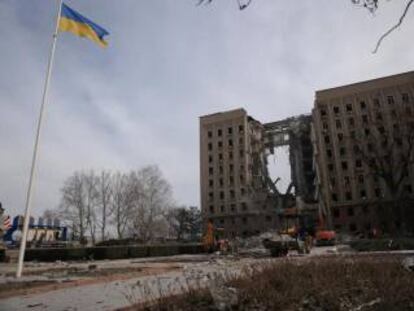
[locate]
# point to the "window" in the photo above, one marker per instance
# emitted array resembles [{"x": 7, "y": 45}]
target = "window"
[
  {"x": 244, "y": 220},
  {"x": 219, "y": 132},
  {"x": 211, "y": 209},
  {"x": 233, "y": 207},
  {"x": 210, "y": 171},
  {"x": 244, "y": 206},
  {"x": 221, "y": 182},
  {"x": 230, "y": 130},
  {"x": 347, "y": 180},
  {"x": 222, "y": 208},
  {"x": 232, "y": 194},
  {"x": 351, "y": 122},
  {"x": 390, "y": 100},
  {"x": 342, "y": 151},
  {"x": 329, "y": 153},
  {"x": 211, "y": 196},
  {"x": 338, "y": 124},
  {"x": 222, "y": 195},
  {"x": 405, "y": 98},
  {"x": 231, "y": 142},
  {"x": 379, "y": 116},
  {"x": 231, "y": 167},
  {"x": 222, "y": 221},
  {"x": 408, "y": 111},
  {"x": 231, "y": 180},
  {"x": 365, "y": 119},
  {"x": 325, "y": 125},
  {"x": 327, "y": 140},
  {"x": 365, "y": 209},
  {"x": 230, "y": 155},
  {"x": 220, "y": 156},
  {"x": 241, "y": 128},
  {"x": 363, "y": 194},
  {"x": 333, "y": 181},
  {"x": 323, "y": 112},
  {"x": 352, "y": 227},
  {"x": 221, "y": 169},
  {"x": 349, "y": 107},
  {"x": 242, "y": 179},
  {"x": 210, "y": 146},
  {"x": 336, "y": 213},
  {"x": 334, "y": 197},
  {"x": 336, "y": 109},
  {"x": 268, "y": 218},
  {"x": 361, "y": 179},
  {"x": 367, "y": 132},
  {"x": 211, "y": 183},
  {"x": 242, "y": 191},
  {"x": 340, "y": 136},
  {"x": 348, "y": 195},
  {"x": 241, "y": 153},
  {"x": 358, "y": 163},
  {"x": 363, "y": 105},
  {"x": 376, "y": 103},
  {"x": 210, "y": 158},
  {"x": 408, "y": 189},
  {"x": 378, "y": 192},
  {"x": 210, "y": 134},
  {"x": 344, "y": 165},
  {"x": 330, "y": 167}
]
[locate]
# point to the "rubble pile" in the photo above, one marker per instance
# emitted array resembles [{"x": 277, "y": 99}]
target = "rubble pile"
[{"x": 253, "y": 246}]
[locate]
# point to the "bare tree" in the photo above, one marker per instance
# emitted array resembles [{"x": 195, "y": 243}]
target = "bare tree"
[
  {"x": 185, "y": 222},
  {"x": 152, "y": 196},
  {"x": 121, "y": 203},
  {"x": 386, "y": 146},
  {"x": 72, "y": 205},
  {"x": 78, "y": 203},
  {"x": 104, "y": 188}
]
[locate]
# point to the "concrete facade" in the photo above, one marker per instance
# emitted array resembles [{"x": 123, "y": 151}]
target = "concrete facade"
[
  {"x": 233, "y": 191},
  {"x": 352, "y": 124}
]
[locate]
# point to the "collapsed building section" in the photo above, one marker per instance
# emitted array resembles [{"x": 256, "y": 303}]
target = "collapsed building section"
[{"x": 237, "y": 193}]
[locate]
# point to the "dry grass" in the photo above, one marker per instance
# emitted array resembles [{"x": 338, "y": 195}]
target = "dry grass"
[{"x": 359, "y": 284}]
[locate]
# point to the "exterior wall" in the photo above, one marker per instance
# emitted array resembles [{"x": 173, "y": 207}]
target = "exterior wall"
[
  {"x": 348, "y": 189},
  {"x": 232, "y": 193}
]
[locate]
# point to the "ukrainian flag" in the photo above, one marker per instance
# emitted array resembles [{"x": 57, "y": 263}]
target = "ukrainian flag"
[{"x": 73, "y": 22}]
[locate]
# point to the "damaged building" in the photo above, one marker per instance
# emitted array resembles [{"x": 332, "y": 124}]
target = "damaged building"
[{"x": 237, "y": 193}]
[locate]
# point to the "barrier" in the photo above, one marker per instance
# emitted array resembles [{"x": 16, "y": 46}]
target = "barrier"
[{"x": 112, "y": 252}]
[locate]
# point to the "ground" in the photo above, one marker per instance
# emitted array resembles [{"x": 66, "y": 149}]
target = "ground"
[{"x": 116, "y": 284}]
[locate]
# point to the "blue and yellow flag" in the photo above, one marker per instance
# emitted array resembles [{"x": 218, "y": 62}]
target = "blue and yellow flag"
[{"x": 72, "y": 21}]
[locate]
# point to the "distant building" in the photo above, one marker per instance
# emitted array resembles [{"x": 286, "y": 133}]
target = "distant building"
[
  {"x": 358, "y": 128},
  {"x": 237, "y": 193},
  {"x": 232, "y": 191}
]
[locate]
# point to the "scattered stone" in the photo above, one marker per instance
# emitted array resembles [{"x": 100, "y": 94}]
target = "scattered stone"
[
  {"x": 92, "y": 267},
  {"x": 408, "y": 264}
]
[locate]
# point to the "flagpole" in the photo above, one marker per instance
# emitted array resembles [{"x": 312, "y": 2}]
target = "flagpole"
[{"x": 36, "y": 145}]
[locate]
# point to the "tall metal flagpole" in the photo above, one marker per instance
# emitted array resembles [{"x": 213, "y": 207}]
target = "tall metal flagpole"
[{"x": 36, "y": 145}]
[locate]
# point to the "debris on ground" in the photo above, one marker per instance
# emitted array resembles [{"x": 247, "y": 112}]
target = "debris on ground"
[{"x": 408, "y": 263}]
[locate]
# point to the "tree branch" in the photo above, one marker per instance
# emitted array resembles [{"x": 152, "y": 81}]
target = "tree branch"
[{"x": 407, "y": 7}]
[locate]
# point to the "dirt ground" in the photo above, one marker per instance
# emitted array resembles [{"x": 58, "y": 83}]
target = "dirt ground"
[{"x": 45, "y": 277}]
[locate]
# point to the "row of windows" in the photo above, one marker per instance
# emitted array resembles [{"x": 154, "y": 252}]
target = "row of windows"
[
  {"x": 230, "y": 156},
  {"x": 349, "y": 195},
  {"x": 244, "y": 220},
  {"x": 229, "y": 131},
  {"x": 363, "y": 105},
  {"x": 231, "y": 208},
  {"x": 231, "y": 194}
]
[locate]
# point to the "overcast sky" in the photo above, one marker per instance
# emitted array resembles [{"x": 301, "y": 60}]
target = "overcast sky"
[{"x": 168, "y": 62}]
